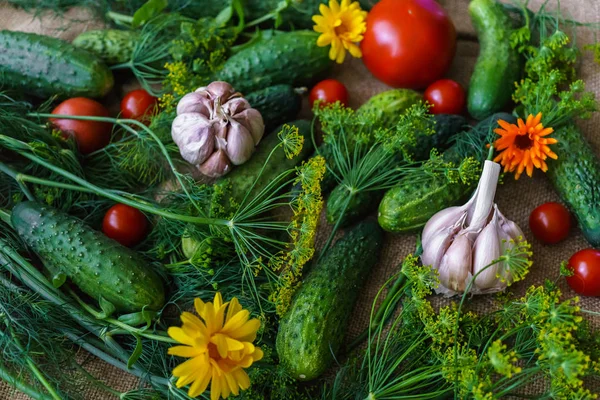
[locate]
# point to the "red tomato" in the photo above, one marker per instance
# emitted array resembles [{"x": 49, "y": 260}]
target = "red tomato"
[
  {"x": 550, "y": 222},
  {"x": 138, "y": 105},
  {"x": 89, "y": 135},
  {"x": 408, "y": 43},
  {"x": 125, "y": 224},
  {"x": 585, "y": 265},
  {"x": 329, "y": 91},
  {"x": 446, "y": 96}
]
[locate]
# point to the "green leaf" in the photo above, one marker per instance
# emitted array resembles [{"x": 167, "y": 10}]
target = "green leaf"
[
  {"x": 224, "y": 16},
  {"x": 149, "y": 10},
  {"x": 59, "y": 279},
  {"x": 107, "y": 307},
  {"x": 137, "y": 352}
]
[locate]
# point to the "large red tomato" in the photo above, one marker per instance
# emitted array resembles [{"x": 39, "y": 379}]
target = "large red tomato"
[
  {"x": 89, "y": 135},
  {"x": 408, "y": 43},
  {"x": 125, "y": 224},
  {"x": 139, "y": 105}
]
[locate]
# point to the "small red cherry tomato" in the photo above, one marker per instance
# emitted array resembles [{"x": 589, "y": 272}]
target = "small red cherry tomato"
[
  {"x": 89, "y": 135},
  {"x": 125, "y": 224},
  {"x": 585, "y": 265},
  {"x": 138, "y": 105},
  {"x": 446, "y": 96},
  {"x": 550, "y": 223},
  {"x": 329, "y": 91}
]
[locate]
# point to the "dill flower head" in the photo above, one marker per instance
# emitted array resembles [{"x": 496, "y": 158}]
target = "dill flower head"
[
  {"x": 524, "y": 146},
  {"x": 291, "y": 139},
  {"x": 503, "y": 361},
  {"x": 219, "y": 347},
  {"x": 342, "y": 26}
]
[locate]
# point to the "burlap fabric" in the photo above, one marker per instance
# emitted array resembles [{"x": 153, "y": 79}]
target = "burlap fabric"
[{"x": 515, "y": 198}]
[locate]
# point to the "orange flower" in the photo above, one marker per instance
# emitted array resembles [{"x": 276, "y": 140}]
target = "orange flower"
[{"x": 524, "y": 146}]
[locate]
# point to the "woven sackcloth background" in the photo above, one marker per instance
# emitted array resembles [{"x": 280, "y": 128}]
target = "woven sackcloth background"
[{"x": 515, "y": 198}]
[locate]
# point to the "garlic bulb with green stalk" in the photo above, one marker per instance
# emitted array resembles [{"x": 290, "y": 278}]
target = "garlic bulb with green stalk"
[
  {"x": 465, "y": 244},
  {"x": 216, "y": 128}
]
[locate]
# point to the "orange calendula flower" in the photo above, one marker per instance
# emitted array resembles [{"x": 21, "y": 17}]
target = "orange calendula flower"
[
  {"x": 219, "y": 347},
  {"x": 342, "y": 26},
  {"x": 524, "y": 146}
]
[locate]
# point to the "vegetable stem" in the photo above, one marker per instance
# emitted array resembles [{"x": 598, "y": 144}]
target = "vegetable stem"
[
  {"x": 21, "y": 386},
  {"x": 486, "y": 192},
  {"x": 120, "y": 19},
  {"x": 13, "y": 174},
  {"x": 5, "y": 217}
]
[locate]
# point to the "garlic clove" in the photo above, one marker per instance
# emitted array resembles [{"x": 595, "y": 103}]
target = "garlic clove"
[
  {"x": 194, "y": 103},
  {"x": 221, "y": 90},
  {"x": 193, "y": 134},
  {"x": 236, "y": 106},
  {"x": 442, "y": 219},
  {"x": 216, "y": 166},
  {"x": 436, "y": 247},
  {"x": 455, "y": 266},
  {"x": 240, "y": 144},
  {"x": 253, "y": 121},
  {"x": 485, "y": 250},
  {"x": 510, "y": 228}
]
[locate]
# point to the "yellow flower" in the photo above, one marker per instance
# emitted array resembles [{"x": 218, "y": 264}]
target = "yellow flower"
[
  {"x": 341, "y": 26},
  {"x": 219, "y": 347},
  {"x": 524, "y": 146}
]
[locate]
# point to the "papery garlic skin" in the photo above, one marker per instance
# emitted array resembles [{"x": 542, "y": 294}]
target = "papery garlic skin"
[
  {"x": 216, "y": 128},
  {"x": 465, "y": 244}
]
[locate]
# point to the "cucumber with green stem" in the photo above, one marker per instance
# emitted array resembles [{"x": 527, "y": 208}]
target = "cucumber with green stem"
[{"x": 99, "y": 266}]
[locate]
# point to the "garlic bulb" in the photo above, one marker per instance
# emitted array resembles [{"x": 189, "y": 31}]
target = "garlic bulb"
[
  {"x": 465, "y": 242},
  {"x": 216, "y": 128}
]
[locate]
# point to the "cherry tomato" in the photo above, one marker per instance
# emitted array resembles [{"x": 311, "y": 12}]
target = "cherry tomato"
[
  {"x": 585, "y": 265},
  {"x": 139, "y": 105},
  {"x": 408, "y": 43},
  {"x": 89, "y": 135},
  {"x": 446, "y": 96},
  {"x": 550, "y": 222},
  {"x": 329, "y": 91},
  {"x": 125, "y": 224}
]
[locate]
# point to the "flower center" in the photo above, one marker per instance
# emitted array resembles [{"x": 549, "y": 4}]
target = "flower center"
[
  {"x": 341, "y": 29},
  {"x": 213, "y": 353},
  {"x": 523, "y": 142}
]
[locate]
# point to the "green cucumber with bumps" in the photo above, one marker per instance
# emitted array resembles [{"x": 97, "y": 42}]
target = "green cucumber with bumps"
[
  {"x": 277, "y": 104},
  {"x": 313, "y": 329},
  {"x": 575, "y": 176},
  {"x": 408, "y": 206},
  {"x": 498, "y": 66},
  {"x": 98, "y": 265},
  {"x": 291, "y": 58},
  {"x": 362, "y": 203},
  {"x": 114, "y": 46},
  {"x": 44, "y": 66}
]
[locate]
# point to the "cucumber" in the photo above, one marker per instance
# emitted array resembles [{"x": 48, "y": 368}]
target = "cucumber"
[
  {"x": 385, "y": 109},
  {"x": 277, "y": 104},
  {"x": 45, "y": 66},
  {"x": 313, "y": 329},
  {"x": 99, "y": 266},
  {"x": 409, "y": 205},
  {"x": 498, "y": 66},
  {"x": 291, "y": 58},
  {"x": 362, "y": 203},
  {"x": 114, "y": 46},
  {"x": 242, "y": 178},
  {"x": 575, "y": 176}
]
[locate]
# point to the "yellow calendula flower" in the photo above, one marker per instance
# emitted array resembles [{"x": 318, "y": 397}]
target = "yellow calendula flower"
[
  {"x": 342, "y": 26},
  {"x": 219, "y": 347}
]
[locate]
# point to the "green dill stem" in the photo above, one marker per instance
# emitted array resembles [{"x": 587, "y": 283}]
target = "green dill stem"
[
  {"x": 20, "y": 385},
  {"x": 5, "y": 217},
  {"x": 335, "y": 227},
  {"x": 383, "y": 315},
  {"x": 34, "y": 369},
  {"x": 273, "y": 14},
  {"x": 120, "y": 199},
  {"x": 120, "y": 19},
  {"x": 125, "y": 124},
  {"x": 13, "y": 174}
]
